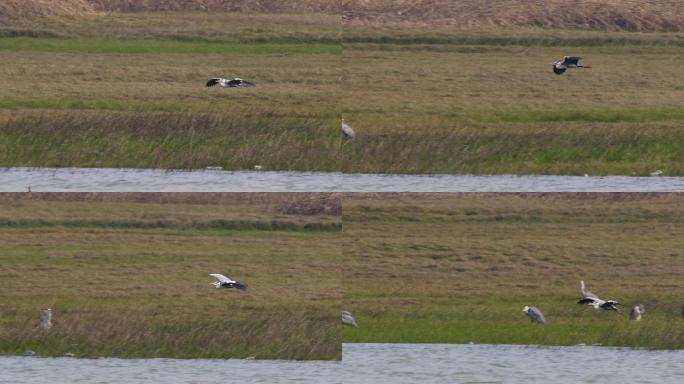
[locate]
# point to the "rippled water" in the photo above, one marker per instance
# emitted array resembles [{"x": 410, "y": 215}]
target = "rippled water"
[
  {"x": 141, "y": 180},
  {"x": 374, "y": 363}
]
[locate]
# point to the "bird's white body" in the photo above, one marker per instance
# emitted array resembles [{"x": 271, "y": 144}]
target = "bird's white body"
[
  {"x": 226, "y": 282},
  {"x": 535, "y": 315},
  {"x": 45, "y": 320},
  {"x": 348, "y": 319},
  {"x": 637, "y": 312},
  {"x": 347, "y": 131}
]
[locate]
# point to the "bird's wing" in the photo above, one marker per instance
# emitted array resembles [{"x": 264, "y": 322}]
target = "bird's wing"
[
  {"x": 221, "y": 278},
  {"x": 247, "y": 83},
  {"x": 213, "y": 81},
  {"x": 587, "y": 300},
  {"x": 571, "y": 60}
]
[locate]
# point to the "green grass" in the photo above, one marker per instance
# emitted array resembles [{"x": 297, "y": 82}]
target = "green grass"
[
  {"x": 459, "y": 268},
  {"x": 128, "y": 275},
  {"x": 110, "y": 46}
]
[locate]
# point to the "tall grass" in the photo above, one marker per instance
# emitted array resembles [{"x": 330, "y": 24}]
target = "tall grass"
[{"x": 169, "y": 140}]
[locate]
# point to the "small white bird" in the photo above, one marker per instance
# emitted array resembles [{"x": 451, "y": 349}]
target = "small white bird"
[
  {"x": 568, "y": 62},
  {"x": 347, "y": 131},
  {"x": 45, "y": 320},
  {"x": 230, "y": 83},
  {"x": 656, "y": 173},
  {"x": 226, "y": 282},
  {"x": 535, "y": 315},
  {"x": 637, "y": 311},
  {"x": 348, "y": 319}
]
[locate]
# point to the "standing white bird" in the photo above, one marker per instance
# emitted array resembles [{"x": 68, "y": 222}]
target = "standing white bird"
[
  {"x": 535, "y": 315},
  {"x": 347, "y": 131},
  {"x": 45, "y": 320},
  {"x": 230, "y": 83},
  {"x": 226, "y": 282},
  {"x": 559, "y": 67},
  {"x": 637, "y": 311},
  {"x": 593, "y": 300},
  {"x": 348, "y": 319}
]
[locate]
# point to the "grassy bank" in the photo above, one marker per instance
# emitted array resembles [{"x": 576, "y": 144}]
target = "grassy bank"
[
  {"x": 127, "y": 276},
  {"x": 425, "y": 94},
  {"x": 450, "y": 268}
]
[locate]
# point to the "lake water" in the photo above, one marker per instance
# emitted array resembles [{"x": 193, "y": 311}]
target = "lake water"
[
  {"x": 152, "y": 180},
  {"x": 374, "y": 363}
]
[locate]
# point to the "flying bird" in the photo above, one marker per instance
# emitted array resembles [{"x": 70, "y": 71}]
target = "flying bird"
[
  {"x": 347, "y": 131},
  {"x": 535, "y": 315},
  {"x": 230, "y": 83},
  {"x": 45, "y": 320},
  {"x": 226, "y": 282},
  {"x": 636, "y": 312},
  {"x": 348, "y": 319},
  {"x": 568, "y": 62},
  {"x": 593, "y": 300}
]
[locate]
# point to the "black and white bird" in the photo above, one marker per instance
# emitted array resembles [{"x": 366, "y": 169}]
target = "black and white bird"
[
  {"x": 637, "y": 312},
  {"x": 568, "y": 62},
  {"x": 535, "y": 315},
  {"x": 45, "y": 320},
  {"x": 230, "y": 83},
  {"x": 593, "y": 300},
  {"x": 348, "y": 319},
  {"x": 347, "y": 131},
  {"x": 226, "y": 282}
]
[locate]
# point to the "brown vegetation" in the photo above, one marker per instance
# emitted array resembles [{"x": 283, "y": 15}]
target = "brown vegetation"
[
  {"x": 34, "y": 8},
  {"x": 251, "y": 6},
  {"x": 614, "y": 15}
]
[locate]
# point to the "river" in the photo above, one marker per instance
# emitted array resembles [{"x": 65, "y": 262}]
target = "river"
[
  {"x": 373, "y": 363},
  {"x": 154, "y": 180}
]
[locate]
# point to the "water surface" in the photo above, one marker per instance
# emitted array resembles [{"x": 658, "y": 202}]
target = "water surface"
[
  {"x": 154, "y": 180},
  {"x": 373, "y": 363}
]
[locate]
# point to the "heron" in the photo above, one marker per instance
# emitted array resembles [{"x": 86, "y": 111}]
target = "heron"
[
  {"x": 636, "y": 312},
  {"x": 348, "y": 319},
  {"x": 347, "y": 131},
  {"x": 226, "y": 282},
  {"x": 535, "y": 315},
  {"x": 593, "y": 300},
  {"x": 559, "y": 67},
  {"x": 45, "y": 320},
  {"x": 230, "y": 83}
]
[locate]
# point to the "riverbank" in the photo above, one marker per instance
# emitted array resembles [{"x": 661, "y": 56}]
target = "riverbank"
[
  {"x": 459, "y": 268},
  {"x": 127, "y": 275}
]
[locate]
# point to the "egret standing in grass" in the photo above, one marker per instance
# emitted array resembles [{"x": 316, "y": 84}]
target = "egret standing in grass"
[
  {"x": 535, "y": 315},
  {"x": 593, "y": 300},
  {"x": 347, "y": 131},
  {"x": 636, "y": 312},
  {"x": 348, "y": 319},
  {"x": 226, "y": 282},
  {"x": 45, "y": 320},
  {"x": 568, "y": 62}
]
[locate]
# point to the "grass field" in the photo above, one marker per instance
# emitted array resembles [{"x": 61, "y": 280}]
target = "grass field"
[
  {"x": 425, "y": 93},
  {"x": 458, "y": 268},
  {"x": 132, "y": 87},
  {"x": 127, "y": 275}
]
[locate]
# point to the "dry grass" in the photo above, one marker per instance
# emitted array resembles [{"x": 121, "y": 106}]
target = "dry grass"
[
  {"x": 460, "y": 267},
  {"x": 13, "y": 9},
  {"x": 611, "y": 15},
  {"x": 128, "y": 276},
  {"x": 268, "y": 6}
]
